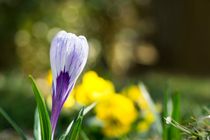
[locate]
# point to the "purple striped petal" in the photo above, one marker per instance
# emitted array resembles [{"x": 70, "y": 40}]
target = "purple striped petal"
[{"x": 68, "y": 56}]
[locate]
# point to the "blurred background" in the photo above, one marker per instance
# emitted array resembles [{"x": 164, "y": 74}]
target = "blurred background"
[{"x": 161, "y": 43}]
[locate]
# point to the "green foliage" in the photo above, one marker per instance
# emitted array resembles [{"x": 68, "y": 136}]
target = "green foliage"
[
  {"x": 196, "y": 130},
  {"x": 84, "y": 136},
  {"x": 42, "y": 125},
  {"x": 37, "y": 128},
  {"x": 171, "y": 109},
  {"x": 175, "y": 133},
  {"x": 165, "y": 114},
  {"x": 73, "y": 133},
  {"x": 14, "y": 125},
  {"x": 43, "y": 113},
  {"x": 74, "y": 128}
]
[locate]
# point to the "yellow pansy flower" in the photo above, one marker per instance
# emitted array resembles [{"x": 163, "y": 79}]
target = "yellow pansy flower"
[
  {"x": 143, "y": 126},
  {"x": 117, "y": 112},
  {"x": 149, "y": 117},
  {"x": 93, "y": 88},
  {"x": 111, "y": 130},
  {"x": 135, "y": 93}
]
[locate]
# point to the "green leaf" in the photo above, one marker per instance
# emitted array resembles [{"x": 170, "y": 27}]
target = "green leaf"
[
  {"x": 37, "y": 128},
  {"x": 72, "y": 131},
  {"x": 75, "y": 129},
  {"x": 43, "y": 113},
  {"x": 84, "y": 135},
  {"x": 175, "y": 133},
  {"x": 14, "y": 125},
  {"x": 165, "y": 114},
  {"x": 63, "y": 136}
]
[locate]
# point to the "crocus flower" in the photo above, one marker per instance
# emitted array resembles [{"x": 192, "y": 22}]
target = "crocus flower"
[{"x": 68, "y": 56}]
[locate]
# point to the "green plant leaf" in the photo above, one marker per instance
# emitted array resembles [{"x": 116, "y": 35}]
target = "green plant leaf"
[
  {"x": 14, "y": 125},
  {"x": 43, "y": 113},
  {"x": 165, "y": 114},
  {"x": 37, "y": 128},
  {"x": 72, "y": 131},
  {"x": 175, "y": 133},
  {"x": 84, "y": 135},
  {"x": 75, "y": 129}
]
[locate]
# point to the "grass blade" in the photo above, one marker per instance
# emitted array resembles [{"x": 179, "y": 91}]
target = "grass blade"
[
  {"x": 175, "y": 133},
  {"x": 165, "y": 115},
  {"x": 14, "y": 125}
]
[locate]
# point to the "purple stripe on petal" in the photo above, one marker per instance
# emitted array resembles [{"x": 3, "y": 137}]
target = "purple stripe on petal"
[
  {"x": 63, "y": 88},
  {"x": 62, "y": 84}
]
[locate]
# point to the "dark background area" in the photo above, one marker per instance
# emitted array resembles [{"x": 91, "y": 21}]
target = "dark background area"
[{"x": 183, "y": 35}]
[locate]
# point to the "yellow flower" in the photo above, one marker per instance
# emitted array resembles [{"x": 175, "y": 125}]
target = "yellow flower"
[
  {"x": 143, "y": 126},
  {"x": 70, "y": 101},
  {"x": 149, "y": 117},
  {"x": 93, "y": 88},
  {"x": 49, "y": 78},
  {"x": 135, "y": 94},
  {"x": 117, "y": 112},
  {"x": 111, "y": 130}
]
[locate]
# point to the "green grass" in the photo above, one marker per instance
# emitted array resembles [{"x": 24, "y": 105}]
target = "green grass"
[{"x": 194, "y": 91}]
